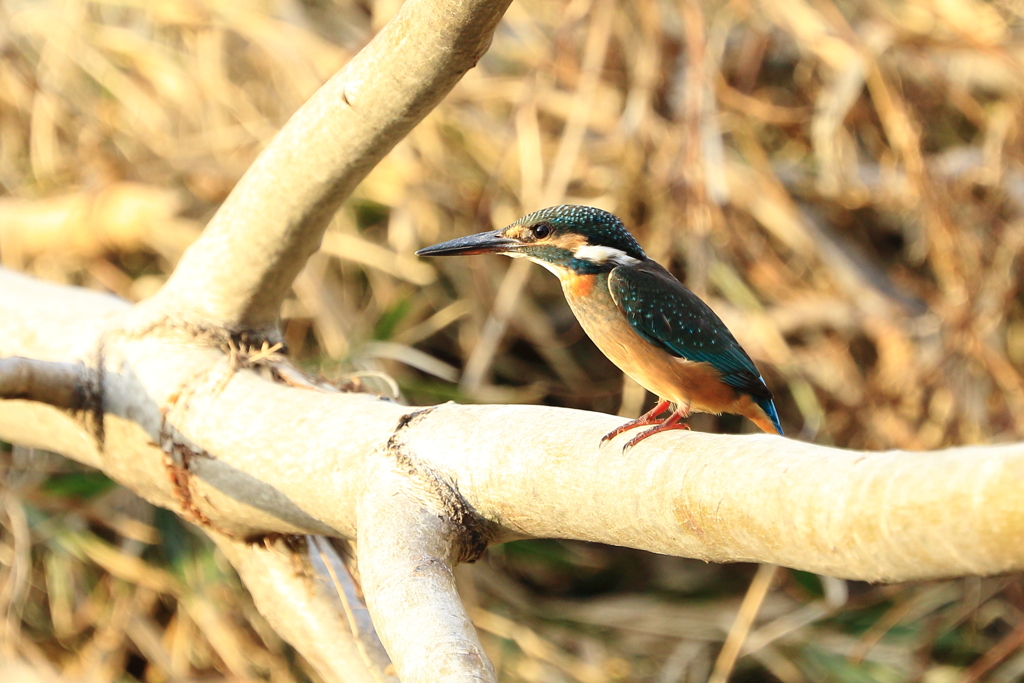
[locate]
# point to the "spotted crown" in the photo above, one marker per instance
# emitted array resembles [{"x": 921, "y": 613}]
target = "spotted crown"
[{"x": 599, "y": 227}]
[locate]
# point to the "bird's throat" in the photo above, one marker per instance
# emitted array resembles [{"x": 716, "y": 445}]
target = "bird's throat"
[{"x": 578, "y": 286}]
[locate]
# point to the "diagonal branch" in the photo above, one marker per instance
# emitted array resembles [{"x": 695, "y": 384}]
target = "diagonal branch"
[
  {"x": 239, "y": 271},
  {"x": 286, "y": 594},
  {"x": 328, "y": 558}
]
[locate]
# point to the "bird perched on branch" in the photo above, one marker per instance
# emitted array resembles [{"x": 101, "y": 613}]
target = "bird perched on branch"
[{"x": 640, "y": 316}]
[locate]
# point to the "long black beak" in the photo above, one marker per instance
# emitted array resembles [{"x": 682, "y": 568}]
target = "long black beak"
[{"x": 480, "y": 243}]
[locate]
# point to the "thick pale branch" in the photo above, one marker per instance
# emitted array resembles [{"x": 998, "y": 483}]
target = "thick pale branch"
[
  {"x": 269, "y": 457},
  {"x": 407, "y": 549},
  {"x": 237, "y": 274},
  {"x": 892, "y": 516}
]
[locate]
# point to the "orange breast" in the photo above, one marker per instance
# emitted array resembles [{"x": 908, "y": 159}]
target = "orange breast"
[
  {"x": 680, "y": 381},
  {"x": 578, "y": 286}
]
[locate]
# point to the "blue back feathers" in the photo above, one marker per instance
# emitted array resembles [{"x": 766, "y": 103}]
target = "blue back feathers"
[{"x": 670, "y": 316}]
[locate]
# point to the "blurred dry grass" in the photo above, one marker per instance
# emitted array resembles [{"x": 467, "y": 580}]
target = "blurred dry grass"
[{"x": 843, "y": 181}]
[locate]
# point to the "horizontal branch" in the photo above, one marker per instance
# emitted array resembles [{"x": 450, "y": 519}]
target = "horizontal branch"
[
  {"x": 892, "y": 516},
  {"x": 267, "y": 457}
]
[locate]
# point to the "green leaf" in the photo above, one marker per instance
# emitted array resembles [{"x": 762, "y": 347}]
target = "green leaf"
[
  {"x": 809, "y": 582},
  {"x": 389, "y": 319},
  {"x": 78, "y": 485}
]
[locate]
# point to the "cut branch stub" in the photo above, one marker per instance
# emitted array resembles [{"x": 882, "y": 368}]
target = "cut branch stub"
[{"x": 69, "y": 386}]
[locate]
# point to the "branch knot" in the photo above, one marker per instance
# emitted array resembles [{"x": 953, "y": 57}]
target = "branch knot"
[{"x": 439, "y": 493}]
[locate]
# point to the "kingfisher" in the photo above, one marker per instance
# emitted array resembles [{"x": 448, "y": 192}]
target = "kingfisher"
[{"x": 637, "y": 313}]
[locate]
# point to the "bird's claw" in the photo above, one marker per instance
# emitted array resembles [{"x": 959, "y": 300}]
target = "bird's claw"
[
  {"x": 663, "y": 427},
  {"x": 651, "y": 418},
  {"x": 648, "y": 418}
]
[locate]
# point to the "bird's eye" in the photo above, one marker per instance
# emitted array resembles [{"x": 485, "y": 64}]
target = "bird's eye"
[{"x": 541, "y": 230}]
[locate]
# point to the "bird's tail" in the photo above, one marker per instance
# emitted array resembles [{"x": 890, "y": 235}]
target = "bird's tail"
[{"x": 772, "y": 421}]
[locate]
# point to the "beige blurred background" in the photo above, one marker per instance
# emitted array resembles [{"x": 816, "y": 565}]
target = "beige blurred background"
[{"x": 842, "y": 181}]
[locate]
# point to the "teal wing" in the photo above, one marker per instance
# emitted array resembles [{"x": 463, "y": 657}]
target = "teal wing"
[{"x": 670, "y": 316}]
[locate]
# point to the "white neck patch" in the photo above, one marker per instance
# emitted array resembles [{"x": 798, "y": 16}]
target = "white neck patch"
[
  {"x": 553, "y": 268},
  {"x": 601, "y": 255}
]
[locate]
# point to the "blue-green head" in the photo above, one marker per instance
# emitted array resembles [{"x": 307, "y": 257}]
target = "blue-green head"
[{"x": 580, "y": 239}]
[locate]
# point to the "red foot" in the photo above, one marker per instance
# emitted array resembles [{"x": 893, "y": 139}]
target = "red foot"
[
  {"x": 651, "y": 418},
  {"x": 671, "y": 422},
  {"x": 648, "y": 418}
]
